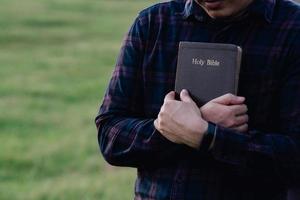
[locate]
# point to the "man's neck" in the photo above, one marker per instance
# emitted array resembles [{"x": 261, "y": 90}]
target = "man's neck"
[{"x": 235, "y": 17}]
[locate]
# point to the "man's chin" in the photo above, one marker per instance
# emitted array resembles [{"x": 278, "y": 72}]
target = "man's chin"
[{"x": 218, "y": 14}]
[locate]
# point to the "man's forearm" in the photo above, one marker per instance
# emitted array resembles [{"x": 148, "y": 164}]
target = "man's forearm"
[
  {"x": 267, "y": 154},
  {"x": 134, "y": 142}
]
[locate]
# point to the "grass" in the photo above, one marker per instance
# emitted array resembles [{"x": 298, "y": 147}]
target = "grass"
[{"x": 56, "y": 58}]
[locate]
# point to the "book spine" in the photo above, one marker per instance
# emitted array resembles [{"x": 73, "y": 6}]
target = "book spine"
[{"x": 238, "y": 67}]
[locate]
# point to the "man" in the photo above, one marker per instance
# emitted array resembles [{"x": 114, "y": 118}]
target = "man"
[{"x": 244, "y": 147}]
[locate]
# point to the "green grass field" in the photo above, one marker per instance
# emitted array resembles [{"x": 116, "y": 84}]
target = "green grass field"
[{"x": 56, "y": 58}]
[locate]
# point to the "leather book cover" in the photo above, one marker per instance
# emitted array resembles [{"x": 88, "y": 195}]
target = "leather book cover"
[{"x": 207, "y": 70}]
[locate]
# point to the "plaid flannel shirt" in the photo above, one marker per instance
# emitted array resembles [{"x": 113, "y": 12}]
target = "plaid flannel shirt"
[{"x": 261, "y": 164}]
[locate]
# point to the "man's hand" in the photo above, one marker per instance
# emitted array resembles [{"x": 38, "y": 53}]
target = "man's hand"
[
  {"x": 181, "y": 121},
  {"x": 228, "y": 111}
]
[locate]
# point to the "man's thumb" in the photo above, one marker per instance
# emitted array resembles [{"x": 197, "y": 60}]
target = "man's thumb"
[
  {"x": 229, "y": 99},
  {"x": 185, "y": 97}
]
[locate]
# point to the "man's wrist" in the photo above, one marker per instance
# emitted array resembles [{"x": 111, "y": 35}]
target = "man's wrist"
[
  {"x": 209, "y": 137},
  {"x": 214, "y": 137}
]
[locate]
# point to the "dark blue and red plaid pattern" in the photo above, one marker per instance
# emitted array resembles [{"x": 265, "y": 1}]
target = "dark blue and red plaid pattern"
[{"x": 261, "y": 164}]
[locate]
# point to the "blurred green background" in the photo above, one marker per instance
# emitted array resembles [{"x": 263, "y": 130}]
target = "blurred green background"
[{"x": 56, "y": 57}]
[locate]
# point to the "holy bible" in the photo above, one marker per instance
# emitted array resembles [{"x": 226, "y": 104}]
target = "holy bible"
[{"x": 207, "y": 70}]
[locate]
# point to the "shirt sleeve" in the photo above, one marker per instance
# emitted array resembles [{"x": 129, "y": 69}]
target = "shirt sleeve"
[
  {"x": 269, "y": 154},
  {"x": 125, "y": 137}
]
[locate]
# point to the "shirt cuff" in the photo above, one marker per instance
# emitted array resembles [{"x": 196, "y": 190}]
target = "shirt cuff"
[{"x": 230, "y": 146}]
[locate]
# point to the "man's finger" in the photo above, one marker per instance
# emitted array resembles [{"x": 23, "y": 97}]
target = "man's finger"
[
  {"x": 228, "y": 99},
  {"x": 242, "y": 129},
  {"x": 242, "y": 119},
  {"x": 170, "y": 96},
  {"x": 239, "y": 109},
  {"x": 185, "y": 97}
]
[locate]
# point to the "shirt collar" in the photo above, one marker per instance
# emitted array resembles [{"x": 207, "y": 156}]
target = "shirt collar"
[{"x": 262, "y": 9}]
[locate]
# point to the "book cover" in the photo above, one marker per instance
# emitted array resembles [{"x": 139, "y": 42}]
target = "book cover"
[{"x": 207, "y": 70}]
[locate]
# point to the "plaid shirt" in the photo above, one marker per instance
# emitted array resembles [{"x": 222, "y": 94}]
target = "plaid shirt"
[{"x": 261, "y": 164}]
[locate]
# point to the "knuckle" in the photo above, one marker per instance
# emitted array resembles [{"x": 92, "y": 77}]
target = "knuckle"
[
  {"x": 230, "y": 112},
  {"x": 162, "y": 110},
  {"x": 234, "y": 122},
  {"x": 160, "y": 123},
  {"x": 228, "y": 95},
  {"x": 238, "y": 120},
  {"x": 229, "y": 123},
  {"x": 157, "y": 125},
  {"x": 243, "y": 119},
  {"x": 231, "y": 96},
  {"x": 167, "y": 103},
  {"x": 160, "y": 115},
  {"x": 160, "y": 120}
]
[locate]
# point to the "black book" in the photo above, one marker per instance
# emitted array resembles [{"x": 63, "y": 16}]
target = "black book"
[{"x": 207, "y": 70}]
